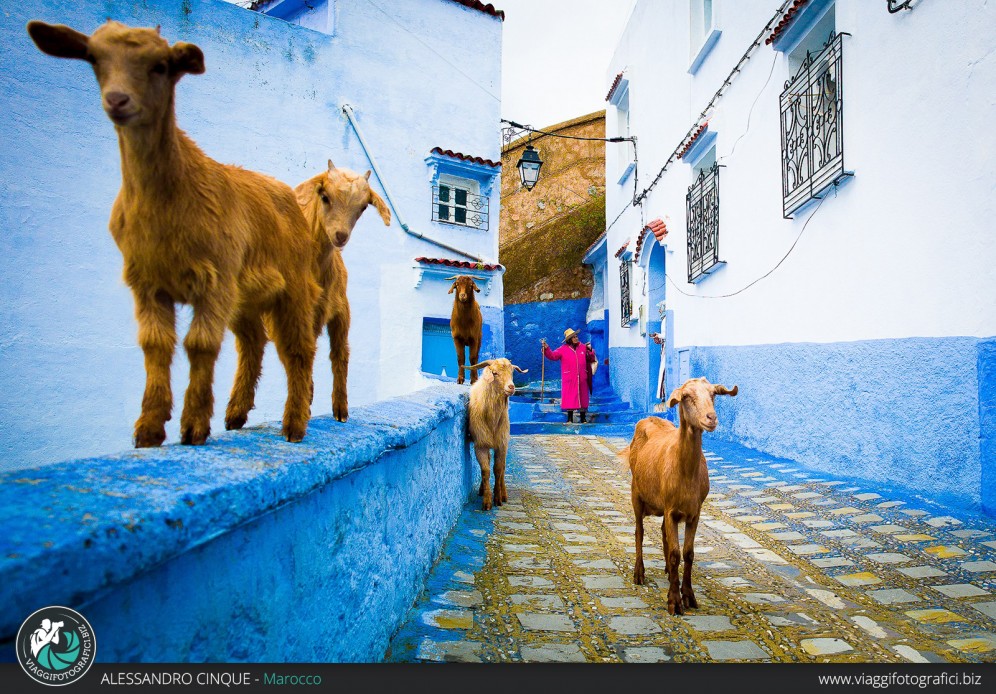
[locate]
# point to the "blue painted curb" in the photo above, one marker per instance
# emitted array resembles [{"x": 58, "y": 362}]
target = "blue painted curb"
[{"x": 76, "y": 528}]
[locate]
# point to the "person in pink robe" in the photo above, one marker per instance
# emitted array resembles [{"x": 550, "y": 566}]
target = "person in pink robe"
[{"x": 575, "y": 364}]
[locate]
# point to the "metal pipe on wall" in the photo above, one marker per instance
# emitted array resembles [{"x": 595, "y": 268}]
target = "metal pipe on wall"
[{"x": 348, "y": 110}]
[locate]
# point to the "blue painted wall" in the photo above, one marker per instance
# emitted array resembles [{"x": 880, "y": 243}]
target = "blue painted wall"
[
  {"x": 71, "y": 372},
  {"x": 629, "y": 367},
  {"x": 987, "y": 422},
  {"x": 905, "y": 412},
  {"x": 526, "y": 323},
  {"x": 598, "y": 330},
  {"x": 249, "y": 549}
]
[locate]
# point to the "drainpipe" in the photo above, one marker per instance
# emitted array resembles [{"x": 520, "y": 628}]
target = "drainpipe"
[{"x": 347, "y": 109}]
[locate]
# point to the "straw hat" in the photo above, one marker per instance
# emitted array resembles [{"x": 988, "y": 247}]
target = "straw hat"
[{"x": 569, "y": 333}]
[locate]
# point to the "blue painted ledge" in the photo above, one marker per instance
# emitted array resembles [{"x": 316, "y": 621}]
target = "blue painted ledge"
[{"x": 249, "y": 538}]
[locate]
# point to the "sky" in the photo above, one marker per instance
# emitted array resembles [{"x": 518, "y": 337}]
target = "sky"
[{"x": 555, "y": 54}]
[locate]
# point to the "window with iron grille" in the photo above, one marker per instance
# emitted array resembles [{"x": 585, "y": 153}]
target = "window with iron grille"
[
  {"x": 626, "y": 300},
  {"x": 456, "y": 201},
  {"x": 702, "y": 206},
  {"x": 812, "y": 126}
]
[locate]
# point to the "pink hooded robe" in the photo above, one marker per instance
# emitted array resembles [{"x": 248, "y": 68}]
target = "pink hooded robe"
[{"x": 573, "y": 375}]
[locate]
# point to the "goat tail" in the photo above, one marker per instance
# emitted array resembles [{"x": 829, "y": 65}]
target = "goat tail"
[{"x": 623, "y": 459}]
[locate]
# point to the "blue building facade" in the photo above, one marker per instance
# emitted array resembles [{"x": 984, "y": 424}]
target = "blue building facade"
[{"x": 418, "y": 81}]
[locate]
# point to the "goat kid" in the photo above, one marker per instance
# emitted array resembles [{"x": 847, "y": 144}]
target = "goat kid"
[
  {"x": 671, "y": 479},
  {"x": 489, "y": 426},
  {"x": 332, "y": 203},
  {"x": 465, "y": 323},
  {"x": 231, "y": 243}
]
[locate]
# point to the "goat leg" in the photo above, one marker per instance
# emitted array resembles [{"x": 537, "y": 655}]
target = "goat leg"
[
  {"x": 501, "y": 494},
  {"x": 639, "y": 573},
  {"x": 475, "y": 348},
  {"x": 156, "y": 317},
  {"x": 687, "y": 594},
  {"x": 295, "y": 342},
  {"x": 338, "y": 329},
  {"x": 484, "y": 460},
  {"x": 250, "y": 342},
  {"x": 458, "y": 344},
  {"x": 203, "y": 343},
  {"x": 672, "y": 557}
]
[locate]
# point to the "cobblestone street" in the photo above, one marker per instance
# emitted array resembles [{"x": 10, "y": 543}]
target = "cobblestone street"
[{"x": 790, "y": 566}]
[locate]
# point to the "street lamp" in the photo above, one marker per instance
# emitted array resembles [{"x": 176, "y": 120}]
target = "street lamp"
[{"x": 529, "y": 167}]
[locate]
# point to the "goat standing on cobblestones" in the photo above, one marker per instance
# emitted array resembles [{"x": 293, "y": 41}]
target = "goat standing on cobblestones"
[
  {"x": 489, "y": 426},
  {"x": 671, "y": 479},
  {"x": 231, "y": 243}
]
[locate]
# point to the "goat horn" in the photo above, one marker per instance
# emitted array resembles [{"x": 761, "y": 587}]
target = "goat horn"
[
  {"x": 520, "y": 370},
  {"x": 479, "y": 366},
  {"x": 451, "y": 277},
  {"x": 723, "y": 390}
]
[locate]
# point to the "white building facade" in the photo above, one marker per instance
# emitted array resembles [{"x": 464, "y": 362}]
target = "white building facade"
[{"x": 814, "y": 187}]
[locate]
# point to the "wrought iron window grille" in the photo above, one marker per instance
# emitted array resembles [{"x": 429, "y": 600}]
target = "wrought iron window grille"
[
  {"x": 453, "y": 205},
  {"x": 625, "y": 298},
  {"x": 702, "y": 206},
  {"x": 899, "y": 5},
  {"x": 812, "y": 127}
]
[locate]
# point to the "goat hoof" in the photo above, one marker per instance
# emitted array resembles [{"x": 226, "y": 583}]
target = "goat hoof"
[
  {"x": 236, "y": 421},
  {"x": 460, "y": 381},
  {"x": 639, "y": 578},
  {"x": 149, "y": 437},
  {"x": 340, "y": 412},
  {"x": 486, "y": 504},
  {"x": 192, "y": 436},
  {"x": 293, "y": 434},
  {"x": 690, "y": 601}
]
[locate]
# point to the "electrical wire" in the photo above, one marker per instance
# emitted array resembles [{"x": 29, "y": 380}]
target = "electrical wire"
[
  {"x": 774, "y": 59},
  {"x": 706, "y": 112},
  {"x": 777, "y": 265},
  {"x": 434, "y": 51}
]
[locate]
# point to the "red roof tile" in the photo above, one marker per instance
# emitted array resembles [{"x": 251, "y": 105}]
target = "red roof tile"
[
  {"x": 657, "y": 228},
  {"x": 597, "y": 241},
  {"x": 785, "y": 21},
  {"x": 486, "y": 9},
  {"x": 464, "y": 157},
  {"x": 615, "y": 84},
  {"x": 622, "y": 249},
  {"x": 472, "y": 4},
  {"x": 464, "y": 264},
  {"x": 692, "y": 139}
]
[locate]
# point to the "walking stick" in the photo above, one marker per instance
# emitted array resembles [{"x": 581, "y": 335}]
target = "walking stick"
[{"x": 542, "y": 372}]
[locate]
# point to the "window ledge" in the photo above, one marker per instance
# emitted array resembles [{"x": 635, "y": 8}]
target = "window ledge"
[
  {"x": 708, "y": 273},
  {"x": 707, "y": 46}
]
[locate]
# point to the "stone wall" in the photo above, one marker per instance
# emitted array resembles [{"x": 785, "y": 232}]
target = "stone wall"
[{"x": 545, "y": 231}]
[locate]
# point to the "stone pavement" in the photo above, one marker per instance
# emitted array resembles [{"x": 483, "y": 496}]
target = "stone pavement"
[{"x": 791, "y": 566}]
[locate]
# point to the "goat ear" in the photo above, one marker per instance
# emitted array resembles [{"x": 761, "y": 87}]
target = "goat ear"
[
  {"x": 58, "y": 40},
  {"x": 185, "y": 58},
  {"x": 723, "y": 390},
  {"x": 331, "y": 165},
  {"x": 476, "y": 288},
  {"x": 452, "y": 287},
  {"x": 382, "y": 208},
  {"x": 367, "y": 175},
  {"x": 487, "y": 375},
  {"x": 676, "y": 395}
]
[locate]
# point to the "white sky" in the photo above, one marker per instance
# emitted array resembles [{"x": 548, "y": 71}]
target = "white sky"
[{"x": 554, "y": 56}]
